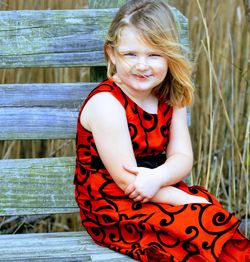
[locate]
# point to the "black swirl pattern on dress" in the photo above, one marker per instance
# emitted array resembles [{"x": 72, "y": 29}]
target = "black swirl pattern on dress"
[
  {"x": 132, "y": 130},
  {"x": 156, "y": 245},
  {"x": 125, "y": 99},
  {"x": 82, "y": 150},
  {"x": 133, "y": 133},
  {"x": 136, "y": 206},
  {"x": 90, "y": 192},
  {"x": 106, "y": 191},
  {"x": 164, "y": 130},
  {"x": 168, "y": 124},
  {"x": 131, "y": 233},
  {"x": 192, "y": 230},
  {"x": 98, "y": 232},
  {"x": 166, "y": 240},
  {"x": 81, "y": 179},
  {"x": 191, "y": 250},
  {"x": 216, "y": 218},
  {"x": 174, "y": 211},
  {"x": 144, "y": 130},
  {"x": 164, "y": 222},
  {"x": 167, "y": 109},
  {"x": 149, "y": 119}
]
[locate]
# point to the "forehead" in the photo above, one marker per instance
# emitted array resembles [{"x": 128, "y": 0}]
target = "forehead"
[{"x": 132, "y": 39}]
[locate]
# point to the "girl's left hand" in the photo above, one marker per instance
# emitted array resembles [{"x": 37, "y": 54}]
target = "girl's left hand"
[{"x": 145, "y": 185}]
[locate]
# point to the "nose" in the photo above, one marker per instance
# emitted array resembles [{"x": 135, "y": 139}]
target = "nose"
[{"x": 142, "y": 64}]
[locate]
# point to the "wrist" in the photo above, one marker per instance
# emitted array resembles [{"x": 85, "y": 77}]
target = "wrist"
[{"x": 159, "y": 177}]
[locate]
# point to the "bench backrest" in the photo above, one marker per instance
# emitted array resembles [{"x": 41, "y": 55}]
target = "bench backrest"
[{"x": 51, "y": 38}]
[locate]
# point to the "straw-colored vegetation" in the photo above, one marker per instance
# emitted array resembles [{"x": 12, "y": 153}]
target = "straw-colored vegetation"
[{"x": 220, "y": 115}]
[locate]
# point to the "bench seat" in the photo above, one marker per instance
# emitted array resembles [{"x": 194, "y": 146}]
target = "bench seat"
[{"x": 62, "y": 246}]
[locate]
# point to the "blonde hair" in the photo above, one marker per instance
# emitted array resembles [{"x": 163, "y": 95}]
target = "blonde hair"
[{"x": 155, "y": 23}]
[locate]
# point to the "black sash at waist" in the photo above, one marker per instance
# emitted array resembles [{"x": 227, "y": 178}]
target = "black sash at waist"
[{"x": 143, "y": 161}]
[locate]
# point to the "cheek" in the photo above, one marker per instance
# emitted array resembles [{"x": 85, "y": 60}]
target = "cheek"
[
  {"x": 122, "y": 68},
  {"x": 162, "y": 69}
]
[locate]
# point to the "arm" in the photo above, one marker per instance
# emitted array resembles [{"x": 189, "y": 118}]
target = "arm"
[
  {"x": 179, "y": 158},
  {"x": 179, "y": 151},
  {"x": 177, "y": 166},
  {"x": 141, "y": 191},
  {"x": 105, "y": 117}
]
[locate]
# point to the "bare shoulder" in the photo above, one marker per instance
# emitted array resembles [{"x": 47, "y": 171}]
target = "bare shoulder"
[
  {"x": 102, "y": 109},
  {"x": 180, "y": 110},
  {"x": 179, "y": 115}
]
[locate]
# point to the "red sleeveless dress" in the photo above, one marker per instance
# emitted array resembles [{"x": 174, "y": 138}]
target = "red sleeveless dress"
[{"x": 150, "y": 231}]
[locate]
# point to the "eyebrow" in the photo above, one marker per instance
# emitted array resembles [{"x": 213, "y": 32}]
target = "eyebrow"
[{"x": 137, "y": 51}]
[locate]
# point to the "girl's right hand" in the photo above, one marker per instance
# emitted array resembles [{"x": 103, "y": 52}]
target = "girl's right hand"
[
  {"x": 134, "y": 194},
  {"x": 145, "y": 186}
]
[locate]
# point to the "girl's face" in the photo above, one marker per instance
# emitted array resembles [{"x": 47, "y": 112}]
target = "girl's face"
[{"x": 139, "y": 66}]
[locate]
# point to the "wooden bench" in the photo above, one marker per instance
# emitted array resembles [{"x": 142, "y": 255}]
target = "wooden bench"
[{"x": 51, "y": 38}]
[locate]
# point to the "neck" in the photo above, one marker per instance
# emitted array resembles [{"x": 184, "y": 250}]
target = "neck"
[
  {"x": 145, "y": 99},
  {"x": 137, "y": 95}
]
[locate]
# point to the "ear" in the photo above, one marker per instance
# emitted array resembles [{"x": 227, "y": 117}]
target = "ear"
[{"x": 111, "y": 53}]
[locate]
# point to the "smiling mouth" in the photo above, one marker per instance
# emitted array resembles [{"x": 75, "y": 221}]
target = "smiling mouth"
[{"x": 142, "y": 76}]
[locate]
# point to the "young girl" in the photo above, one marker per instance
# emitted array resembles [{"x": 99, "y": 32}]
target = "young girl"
[{"x": 134, "y": 149}]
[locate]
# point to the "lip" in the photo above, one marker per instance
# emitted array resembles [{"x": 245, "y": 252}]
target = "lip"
[{"x": 142, "y": 76}]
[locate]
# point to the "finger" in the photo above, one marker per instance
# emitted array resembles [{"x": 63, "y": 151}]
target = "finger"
[
  {"x": 138, "y": 198},
  {"x": 131, "y": 169},
  {"x": 145, "y": 200},
  {"x": 134, "y": 194},
  {"x": 129, "y": 189}
]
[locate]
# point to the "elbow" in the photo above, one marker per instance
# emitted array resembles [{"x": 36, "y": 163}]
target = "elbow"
[
  {"x": 122, "y": 178},
  {"x": 122, "y": 184}
]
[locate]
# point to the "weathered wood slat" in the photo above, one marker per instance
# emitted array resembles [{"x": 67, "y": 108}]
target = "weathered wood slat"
[
  {"x": 40, "y": 111},
  {"x": 37, "y": 186},
  {"x": 37, "y": 123},
  {"x": 58, "y": 95},
  {"x": 35, "y": 38},
  {"x": 66, "y": 246},
  {"x": 45, "y": 38},
  {"x": 105, "y": 3}
]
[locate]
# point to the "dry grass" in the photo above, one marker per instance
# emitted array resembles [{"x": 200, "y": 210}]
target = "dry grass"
[{"x": 220, "y": 115}]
